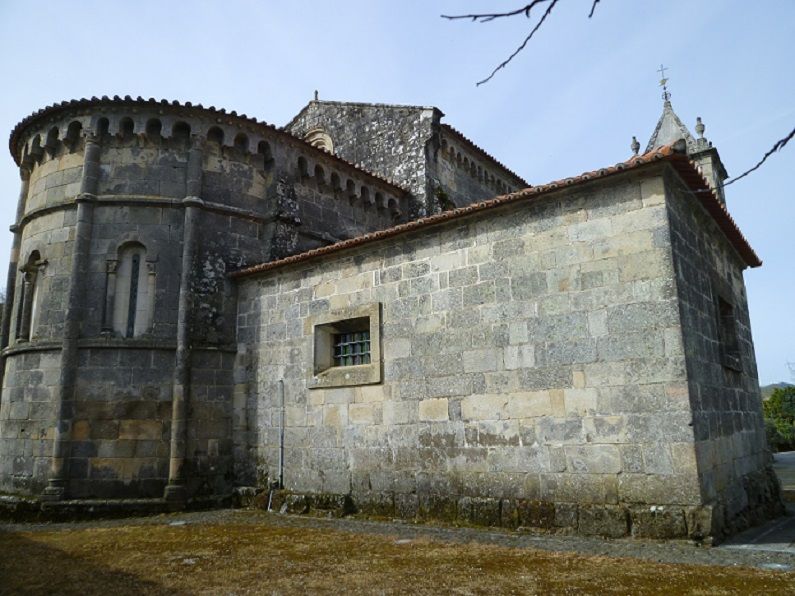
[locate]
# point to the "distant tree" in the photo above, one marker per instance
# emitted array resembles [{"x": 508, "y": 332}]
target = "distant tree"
[
  {"x": 527, "y": 12},
  {"x": 780, "y": 419}
]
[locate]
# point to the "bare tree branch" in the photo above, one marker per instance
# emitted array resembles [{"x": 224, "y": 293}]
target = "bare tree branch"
[
  {"x": 486, "y": 17},
  {"x": 526, "y": 9},
  {"x": 505, "y": 62},
  {"x": 777, "y": 147}
]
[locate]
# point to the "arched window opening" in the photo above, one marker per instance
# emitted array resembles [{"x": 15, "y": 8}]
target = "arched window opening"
[
  {"x": 264, "y": 149},
  {"x": 336, "y": 184},
  {"x": 215, "y": 135},
  {"x": 102, "y": 127},
  {"x": 153, "y": 129},
  {"x": 379, "y": 201},
  {"x": 241, "y": 142},
  {"x": 36, "y": 150},
  {"x": 303, "y": 168},
  {"x": 181, "y": 132},
  {"x": 365, "y": 196},
  {"x": 131, "y": 288},
  {"x": 320, "y": 175},
  {"x": 73, "y": 134},
  {"x": 350, "y": 190},
  {"x": 394, "y": 207},
  {"x": 319, "y": 138},
  {"x": 28, "y": 297},
  {"x": 126, "y": 128},
  {"x": 51, "y": 144}
]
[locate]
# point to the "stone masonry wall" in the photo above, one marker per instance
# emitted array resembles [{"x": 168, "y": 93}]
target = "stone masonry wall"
[
  {"x": 260, "y": 193},
  {"x": 32, "y": 372},
  {"x": 462, "y": 175},
  {"x": 388, "y": 140},
  {"x": 731, "y": 447},
  {"x": 533, "y": 370},
  {"x": 408, "y": 144},
  {"x": 26, "y": 433}
]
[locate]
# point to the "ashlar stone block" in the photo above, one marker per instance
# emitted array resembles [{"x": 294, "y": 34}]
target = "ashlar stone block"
[{"x": 433, "y": 410}]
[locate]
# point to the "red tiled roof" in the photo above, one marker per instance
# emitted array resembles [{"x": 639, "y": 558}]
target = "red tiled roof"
[
  {"x": 152, "y": 102},
  {"x": 672, "y": 154}
]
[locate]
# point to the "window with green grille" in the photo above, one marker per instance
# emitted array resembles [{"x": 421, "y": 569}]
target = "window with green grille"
[{"x": 351, "y": 349}]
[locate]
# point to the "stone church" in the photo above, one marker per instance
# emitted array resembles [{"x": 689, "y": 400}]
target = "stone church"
[{"x": 365, "y": 311}]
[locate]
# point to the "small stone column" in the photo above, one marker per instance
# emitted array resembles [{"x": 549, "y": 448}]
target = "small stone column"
[
  {"x": 11, "y": 280},
  {"x": 110, "y": 296},
  {"x": 180, "y": 395},
  {"x": 56, "y": 486},
  {"x": 26, "y": 310}
]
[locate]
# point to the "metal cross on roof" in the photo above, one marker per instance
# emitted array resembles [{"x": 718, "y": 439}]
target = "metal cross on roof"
[{"x": 663, "y": 83}]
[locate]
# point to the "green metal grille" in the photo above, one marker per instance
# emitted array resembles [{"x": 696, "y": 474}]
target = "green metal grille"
[{"x": 351, "y": 349}]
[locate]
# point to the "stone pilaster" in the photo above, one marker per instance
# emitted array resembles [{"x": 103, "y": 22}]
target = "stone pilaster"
[
  {"x": 11, "y": 280},
  {"x": 180, "y": 396},
  {"x": 56, "y": 486}
]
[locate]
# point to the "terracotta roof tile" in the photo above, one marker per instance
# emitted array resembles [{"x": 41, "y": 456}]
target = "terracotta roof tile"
[{"x": 672, "y": 154}]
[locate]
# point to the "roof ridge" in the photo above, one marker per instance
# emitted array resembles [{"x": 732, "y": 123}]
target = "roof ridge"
[
  {"x": 673, "y": 153},
  {"x": 355, "y": 103}
]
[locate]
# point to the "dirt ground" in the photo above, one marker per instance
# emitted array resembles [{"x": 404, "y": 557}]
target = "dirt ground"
[{"x": 250, "y": 552}]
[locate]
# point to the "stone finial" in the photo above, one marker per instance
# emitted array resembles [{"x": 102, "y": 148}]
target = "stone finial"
[
  {"x": 316, "y": 94},
  {"x": 700, "y": 128},
  {"x": 635, "y": 146}
]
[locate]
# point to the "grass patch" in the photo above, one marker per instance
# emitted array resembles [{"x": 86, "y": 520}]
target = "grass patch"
[{"x": 250, "y": 558}]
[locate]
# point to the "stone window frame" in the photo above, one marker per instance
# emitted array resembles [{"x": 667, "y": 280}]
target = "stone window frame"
[
  {"x": 148, "y": 269},
  {"x": 726, "y": 326},
  {"x": 29, "y": 295},
  {"x": 322, "y": 372}
]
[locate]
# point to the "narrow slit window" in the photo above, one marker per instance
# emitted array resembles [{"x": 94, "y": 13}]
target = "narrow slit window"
[
  {"x": 130, "y": 292},
  {"x": 133, "y": 297}
]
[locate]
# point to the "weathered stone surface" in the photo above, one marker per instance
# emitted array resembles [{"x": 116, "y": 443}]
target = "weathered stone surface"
[
  {"x": 554, "y": 363},
  {"x": 658, "y": 522},
  {"x": 610, "y": 522}
]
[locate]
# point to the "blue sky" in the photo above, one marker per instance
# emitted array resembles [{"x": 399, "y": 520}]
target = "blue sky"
[{"x": 570, "y": 103}]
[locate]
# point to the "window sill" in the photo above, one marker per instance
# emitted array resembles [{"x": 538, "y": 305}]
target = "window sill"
[{"x": 347, "y": 376}]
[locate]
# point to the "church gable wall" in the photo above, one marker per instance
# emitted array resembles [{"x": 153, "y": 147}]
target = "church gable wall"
[
  {"x": 533, "y": 370},
  {"x": 388, "y": 140},
  {"x": 731, "y": 447}
]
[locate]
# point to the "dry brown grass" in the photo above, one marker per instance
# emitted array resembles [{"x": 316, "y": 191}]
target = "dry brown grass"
[{"x": 259, "y": 558}]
